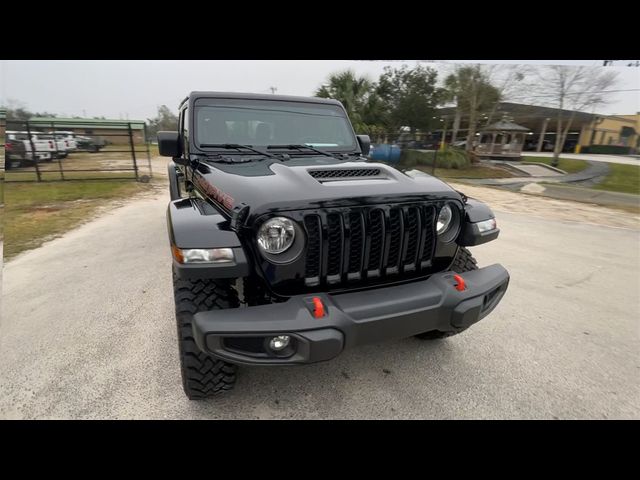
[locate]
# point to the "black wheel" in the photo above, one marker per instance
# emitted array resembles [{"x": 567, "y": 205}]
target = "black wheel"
[
  {"x": 203, "y": 376},
  {"x": 464, "y": 262}
]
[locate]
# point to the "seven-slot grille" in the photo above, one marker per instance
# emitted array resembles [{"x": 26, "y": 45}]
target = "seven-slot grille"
[{"x": 370, "y": 242}]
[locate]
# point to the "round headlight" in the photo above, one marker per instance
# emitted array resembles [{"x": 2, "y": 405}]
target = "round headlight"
[
  {"x": 444, "y": 219},
  {"x": 276, "y": 235}
]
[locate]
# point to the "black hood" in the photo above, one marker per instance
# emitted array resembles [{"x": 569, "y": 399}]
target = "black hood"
[{"x": 314, "y": 182}]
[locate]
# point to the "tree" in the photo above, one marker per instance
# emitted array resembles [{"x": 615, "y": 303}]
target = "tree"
[
  {"x": 508, "y": 81},
  {"x": 409, "y": 96},
  {"x": 357, "y": 95},
  {"x": 471, "y": 88},
  {"x": 165, "y": 120},
  {"x": 17, "y": 113},
  {"x": 574, "y": 89}
]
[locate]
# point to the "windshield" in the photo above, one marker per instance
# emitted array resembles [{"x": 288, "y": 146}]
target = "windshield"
[{"x": 266, "y": 122}]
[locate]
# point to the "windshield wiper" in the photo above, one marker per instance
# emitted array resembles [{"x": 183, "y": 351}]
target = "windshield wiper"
[
  {"x": 302, "y": 147},
  {"x": 236, "y": 146}
]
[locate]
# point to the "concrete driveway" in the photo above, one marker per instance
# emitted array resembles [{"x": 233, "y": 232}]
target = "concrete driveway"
[{"x": 88, "y": 331}]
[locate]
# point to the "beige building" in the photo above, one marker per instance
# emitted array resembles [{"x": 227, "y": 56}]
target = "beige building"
[
  {"x": 587, "y": 131},
  {"x": 619, "y": 130}
]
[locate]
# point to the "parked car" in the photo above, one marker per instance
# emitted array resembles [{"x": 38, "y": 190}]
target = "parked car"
[
  {"x": 532, "y": 146},
  {"x": 68, "y": 137},
  {"x": 428, "y": 144},
  {"x": 43, "y": 148},
  {"x": 286, "y": 252},
  {"x": 60, "y": 146},
  {"x": 15, "y": 154},
  {"x": 89, "y": 144}
]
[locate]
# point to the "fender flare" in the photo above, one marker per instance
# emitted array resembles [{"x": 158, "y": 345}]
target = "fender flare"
[
  {"x": 476, "y": 211},
  {"x": 174, "y": 184},
  {"x": 194, "y": 223}
]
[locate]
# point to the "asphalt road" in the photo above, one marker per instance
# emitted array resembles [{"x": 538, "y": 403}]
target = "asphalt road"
[{"x": 88, "y": 332}]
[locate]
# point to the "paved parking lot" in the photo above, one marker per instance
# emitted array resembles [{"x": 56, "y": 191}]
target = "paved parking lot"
[{"x": 88, "y": 331}]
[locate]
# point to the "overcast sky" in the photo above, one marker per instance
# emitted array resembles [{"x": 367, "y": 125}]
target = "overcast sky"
[{"x": 133, "y": 89}]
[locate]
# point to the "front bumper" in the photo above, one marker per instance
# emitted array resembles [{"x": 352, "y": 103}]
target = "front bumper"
[{"x": 350, "y": 319}]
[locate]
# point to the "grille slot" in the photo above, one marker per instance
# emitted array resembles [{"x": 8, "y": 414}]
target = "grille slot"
[
  {"x": 312, "y": 265},
  {"x": 376, "y": 235},
  {"x": 356, "y": 244},
  {"x": 396, "y": 228},
  {"x": 429, "y": 236},
  {"x": 334, "y": 244},
  {"x": 365, "y": 242},
  {"x": 337, "y": 174},
  {"x": 412, "y": 230}
]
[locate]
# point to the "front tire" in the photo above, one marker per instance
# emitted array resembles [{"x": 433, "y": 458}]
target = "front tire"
[
  {"x": 203, "y": 376},
  {"x": 464, "y": 262}
]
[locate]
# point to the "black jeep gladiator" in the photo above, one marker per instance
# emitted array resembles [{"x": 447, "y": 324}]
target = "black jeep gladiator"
[{"x": 289, "y": 245}]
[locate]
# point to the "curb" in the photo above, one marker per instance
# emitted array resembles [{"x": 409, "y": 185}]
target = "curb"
[{"x": 545, "y": 165}]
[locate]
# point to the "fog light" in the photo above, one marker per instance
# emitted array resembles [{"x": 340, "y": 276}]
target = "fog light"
[{"x": 279, "y": 343}]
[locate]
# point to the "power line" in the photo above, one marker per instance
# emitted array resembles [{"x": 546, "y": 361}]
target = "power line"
[{"x": 578, "y": 93}]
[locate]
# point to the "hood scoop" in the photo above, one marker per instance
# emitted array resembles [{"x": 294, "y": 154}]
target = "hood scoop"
[{"x": 337, "y": 174}]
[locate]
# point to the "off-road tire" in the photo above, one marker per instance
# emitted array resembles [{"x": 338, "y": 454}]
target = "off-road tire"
[
  {"x": 203, "y": 376},
  {"x": 464, "y": 262}
]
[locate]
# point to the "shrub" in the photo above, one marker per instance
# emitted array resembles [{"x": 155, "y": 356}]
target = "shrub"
[
  {"x": 608, "y": 149},
  {"x": 450, "y": 158}
]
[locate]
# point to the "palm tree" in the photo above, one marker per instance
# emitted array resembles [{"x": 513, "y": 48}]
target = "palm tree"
[
  {"x": 355, "y": 93},
  {"x": 473, "y": 92}
]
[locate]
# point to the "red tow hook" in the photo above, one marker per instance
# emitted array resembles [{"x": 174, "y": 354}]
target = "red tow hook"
[
  {"x": 318, "y": 308},
  {"x": 460, "y": 285}
]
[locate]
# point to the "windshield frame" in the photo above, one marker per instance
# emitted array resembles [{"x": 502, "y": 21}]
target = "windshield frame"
[{"x": 216, "y": 101}]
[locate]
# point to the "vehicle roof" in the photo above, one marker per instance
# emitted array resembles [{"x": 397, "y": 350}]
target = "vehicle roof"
[{"x": 262, "y": 96}]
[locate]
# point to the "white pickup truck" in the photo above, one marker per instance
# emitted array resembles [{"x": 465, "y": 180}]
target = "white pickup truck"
[
  {"x": 61, "y": 147},
  {"x": 43, "y": 148},
  {"x": 68, "y": 137}
]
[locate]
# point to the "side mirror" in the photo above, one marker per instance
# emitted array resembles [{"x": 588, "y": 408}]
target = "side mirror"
[
  {"x": 169, "y": 144},
  {"x": 365, "y": 144}
]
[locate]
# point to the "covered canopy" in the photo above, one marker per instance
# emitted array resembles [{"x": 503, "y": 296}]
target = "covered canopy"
[
  {"x": 503, "y": 139},
  {"x": 504, "y": 126}
]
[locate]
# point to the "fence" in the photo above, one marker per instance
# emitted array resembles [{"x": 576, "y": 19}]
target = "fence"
[{"x": 55, "y": 151}]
